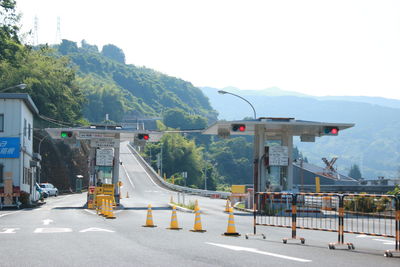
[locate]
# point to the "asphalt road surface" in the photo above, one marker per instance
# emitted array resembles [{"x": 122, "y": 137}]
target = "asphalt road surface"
[{"x": 63, "y": 233}]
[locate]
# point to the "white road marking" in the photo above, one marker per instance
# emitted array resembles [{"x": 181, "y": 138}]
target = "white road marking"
[
  {"x": 94, "y": 229},
  {"x": 386, "y": 241},
  {"x": 254, "y": 250},
  {"x": 362, "y": 236},
  {"x": 127, "y": 175},
  {"x": 9, "y": 230},
  {"x": 47, "y": 221},
  {"x": 52, "y": 230}
]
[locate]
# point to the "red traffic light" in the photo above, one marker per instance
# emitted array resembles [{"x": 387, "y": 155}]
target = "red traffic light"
[
  {"x": 331, "y": 130},
  {"x": 238, "y": 127},
  {"x": 143, "y": 137}
]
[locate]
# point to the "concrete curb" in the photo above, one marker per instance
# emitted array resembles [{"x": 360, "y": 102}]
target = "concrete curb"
[
  {"x": 181, "y": 208},
  {"x": 245, "y": 210}
]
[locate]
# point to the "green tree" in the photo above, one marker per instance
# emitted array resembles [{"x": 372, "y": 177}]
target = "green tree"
[
  {"x": 179, "y": 119},
  {"x": 50, "y": 80},
  {"x": 233, "y": 158},
  {"x": 67, "y": 47},
  {"x": 9, "y": 40},
  {"x": 113, "y": 52},
  {"x": 355, "y": 172}
]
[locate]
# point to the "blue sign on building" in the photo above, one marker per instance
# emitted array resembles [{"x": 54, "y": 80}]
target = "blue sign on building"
[{"x": 9, "y": 147}]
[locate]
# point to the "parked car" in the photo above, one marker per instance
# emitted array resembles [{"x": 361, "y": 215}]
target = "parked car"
[
  {"x": 41, "y": 192},
  {"x": 50, "y": 189}
]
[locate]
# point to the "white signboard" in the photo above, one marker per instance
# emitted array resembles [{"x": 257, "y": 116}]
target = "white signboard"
[
  {"x": 278, "y": 156},
  {"x": 104, "y": 142},
  {"x": 104, "y": 156},
  {"x": 90, "y": 135}
]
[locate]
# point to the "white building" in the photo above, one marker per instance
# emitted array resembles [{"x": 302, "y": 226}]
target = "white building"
[{"x": 18, "y": 163}]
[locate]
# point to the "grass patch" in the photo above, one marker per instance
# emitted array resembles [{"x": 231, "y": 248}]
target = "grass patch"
[
  {"x": 240, "y": 206},
  {"x": 189, "y": 206}
]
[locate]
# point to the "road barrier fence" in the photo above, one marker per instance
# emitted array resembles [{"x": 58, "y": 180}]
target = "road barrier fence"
[{"x": 367, "y": 214}]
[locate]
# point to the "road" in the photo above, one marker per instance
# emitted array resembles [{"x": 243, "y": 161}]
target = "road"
[{"x": 63, "y": 233}]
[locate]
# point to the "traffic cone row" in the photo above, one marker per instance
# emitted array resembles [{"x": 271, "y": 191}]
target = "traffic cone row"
[{"x": 231, "y": 229}]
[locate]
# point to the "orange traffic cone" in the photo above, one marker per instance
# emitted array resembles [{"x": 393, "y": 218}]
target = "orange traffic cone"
[
  {"x": 228, "y": 205},
  {"x": 231, "y": 230},
  {"x": 197, "y": 221},
  {"x": 196, "y": 205},
  {"x": 149, "y": 219},
  {"x": 174, "y": 220}
]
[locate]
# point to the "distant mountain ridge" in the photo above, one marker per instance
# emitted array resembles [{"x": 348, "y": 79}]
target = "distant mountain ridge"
[
  {"x": 275, "y": 91},
  {"x": 373, "y": 144}
]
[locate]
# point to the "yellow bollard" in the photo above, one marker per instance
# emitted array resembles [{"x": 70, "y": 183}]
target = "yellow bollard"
[
  {"x": 197, "y": 221},
  {"x": 231, "y": 230},
  {"x": 102, "y": 207},
  {"x": 149, "y": 219},
  {"x": 110, "y": 211},
  {"x": 174, "y": 220},
  {"x": 105, "y": 208},
  {"x": 228, "y": 205}
]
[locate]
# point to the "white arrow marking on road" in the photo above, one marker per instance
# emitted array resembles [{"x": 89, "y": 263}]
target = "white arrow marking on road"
[
  {"x": 254, "y": 250},
  {"x": 47, "y": 221},
  {"x": 9, "y": 230},
  {"x": 94, "y": 229},
  {"x": 52, "y": 230}
]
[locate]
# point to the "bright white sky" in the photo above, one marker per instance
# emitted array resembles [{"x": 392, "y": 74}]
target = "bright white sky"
[{"x": 317, "y": 47}]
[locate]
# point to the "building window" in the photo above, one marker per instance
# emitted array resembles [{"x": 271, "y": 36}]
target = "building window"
[
  {"x": 29, "y": 131},
  {"x": 25, "y": 127},
  {"x": 1, "y": 122},
  {"x": 1, "y": 173}
]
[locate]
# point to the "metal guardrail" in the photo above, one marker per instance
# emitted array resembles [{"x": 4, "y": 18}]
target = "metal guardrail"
[
  {"x": 188, "y": 190},
  {"x": 374, "y": 215}
]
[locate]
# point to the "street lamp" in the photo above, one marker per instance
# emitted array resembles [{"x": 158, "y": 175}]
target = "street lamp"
[
  {"x": 19, "y": 86},
  {"x": 222, "y": 92}
]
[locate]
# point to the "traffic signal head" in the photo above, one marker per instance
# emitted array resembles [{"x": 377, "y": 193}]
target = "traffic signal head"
[
  {"x": 331, "y": 130},
  {"x": 66, "y": 134},
  {"x": 143, "y": 137},
  {"x": 238, "y": 127}
]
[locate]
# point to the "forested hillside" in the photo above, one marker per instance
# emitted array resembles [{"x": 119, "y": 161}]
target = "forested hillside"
[{"x": 115, "y": 88}]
